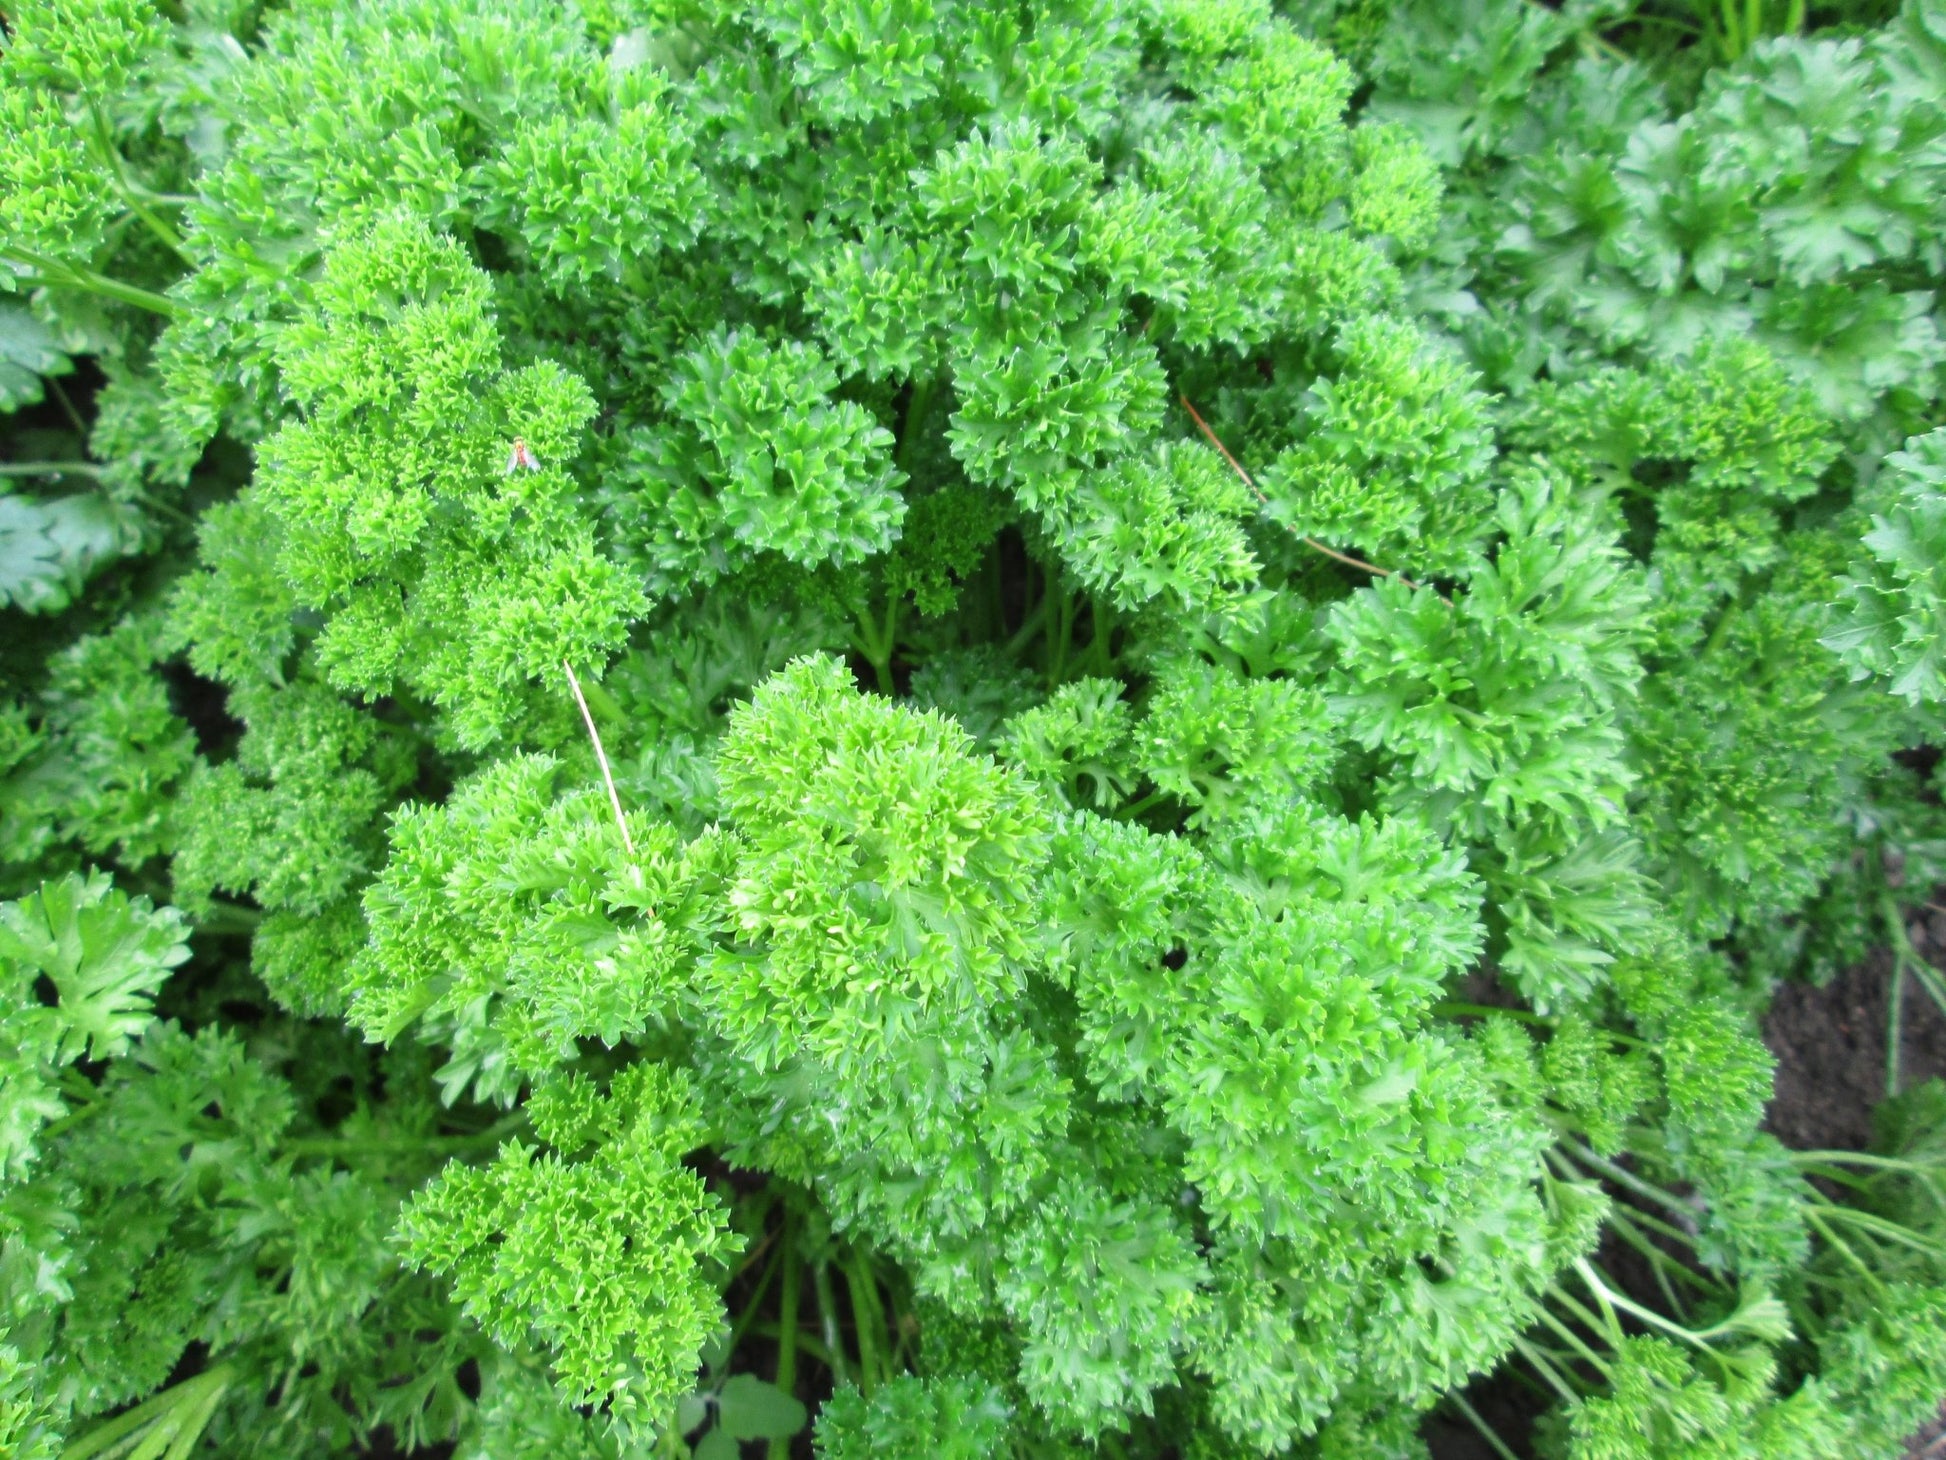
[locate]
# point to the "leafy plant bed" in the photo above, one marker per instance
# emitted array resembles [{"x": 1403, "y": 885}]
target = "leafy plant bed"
[
  {"x": 1052, "y": 730},
  {"x": 1830, "y": 1044}
]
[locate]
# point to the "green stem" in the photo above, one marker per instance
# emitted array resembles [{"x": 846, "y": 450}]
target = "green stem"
[
  {"x": 1136, "y": 808},
  {"x": 1099, "y": 658},
  {"x": 989, "y": 619},
  {"x": 430, "y": 1145},
  {"x": 1025, "y": 633},
  {"x": 1657, "y": 1259},
  {"x": 1547, "y": 1371},
  {"x": 1060, "y": 634},
  {"x": 1878, "y": 1227},
  {"x": 228, "y": 917},
  {"x": 888, "y": 639},
  {"x": 864, "y": 1318},
  {"x": 1605, "y": 1323},
  {"x": 1498, "y": 1445},
  {"x": 786, "y": 1377},
  {"x": 1862, "y": 1158},
  {"x": 49, "y": 469},
  {"x": 111, "y": 155},
  {"x": 804, "y": 1343},
  {"x": 1483, "y": 1011},
  {"x": 1844, "y": 1250},
  {"x": 1905, "y": 959},
  {"x": 749, "y": 1313},
  {"x": 1894, "y": 1025},
  {"x": 56, "y": 274},
  {"x": 876, "y": 643},
  {"x": 67, "y": 407},
  {"x": 828, "y": 1321},
  {"x": 184, "y": 1409},
  {"x": 1928, "y": 979},
  {"x": 1722, "y": 629},
  {"x": 1674, "y": 1234},
  {"x": 1609, "y": 1298},
  {"x": 1627, "y": 1179},
  {"x": 73, "y": 1118},
  {"x": 1575, "y": 1341},
  {"x": 195, "y": 1419},
  {"x": 917, "y": 407}
]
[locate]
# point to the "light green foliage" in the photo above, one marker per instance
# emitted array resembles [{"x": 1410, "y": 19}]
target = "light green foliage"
[
  {"x": 600, "y": 1258},
  {"x": 1392, "y": 453},
  {"x": 1791, "y": 202},
  {"x": 88, "y": 46},
  {"x": 1096, "y": 1348},
  {"x": 1716, "y": 443},
  {"x": 1460, "y": 74},
  {"x": 234, "y": 615},
  {"x": 444, "y": 564},
  {"x": 519, "y": 1416},
  {"x": 589, "y": 196},
  {"x": 1502, "y": 709},
  {"x": 58, "y": 199},
  {"x": 1601, "y": 1090},
  {"x": 1220, "y": 744},
  {"x": 1080, "y": 739},
  {"x": 836, "y": 795},
  {"x": 1866, "y": 1403},
  {"x": 1751, "y": 745},
  {"x": 767, "y": 463},
  {"x": 1883, "y": 1369},
  {"x": 291, "y": 821},
  {"x": 510, "y": 925},
  {"x": 100, "y": 768},
  {"x": 26, "y": 1427},
  {"x": 103, "y": 956},
  {"x": 1895, "y": 626},
  {"x": 1318, "y": 935},
  {"x": 1165, "y": 528},
  {"x": 1224, "y": 645},
  {"x": 1507, "y": 696},
  {"x": 955, "y": 1419}
]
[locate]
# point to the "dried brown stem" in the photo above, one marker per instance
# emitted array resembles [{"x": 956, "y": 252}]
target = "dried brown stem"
[
  {"x": 601, "y": 755},
  {"x": 1310, "y": 542}
]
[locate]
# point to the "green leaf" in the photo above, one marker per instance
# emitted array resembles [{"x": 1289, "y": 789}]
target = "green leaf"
[
  {"x": 49, "y": 549},
  {"x": 750, "y": 1409},
  {"x": 27, "y": 352},
  {"x": 718, "y": 1444},
  {"x": 691, "y": 1411},
  {"x": 105, "y": 953}
]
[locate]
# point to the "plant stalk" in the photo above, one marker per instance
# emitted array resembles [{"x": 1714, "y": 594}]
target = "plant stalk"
[
  {"x": 791, "y": 1274},
  {"x": 828, "y": 1321},
  {"x": 53, "y": 273}
]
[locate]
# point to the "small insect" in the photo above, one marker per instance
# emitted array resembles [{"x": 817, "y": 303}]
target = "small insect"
[{"x": 521, "y": 457}]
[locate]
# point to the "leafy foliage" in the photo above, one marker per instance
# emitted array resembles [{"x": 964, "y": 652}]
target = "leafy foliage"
[{"x": 1056, "y": 727}]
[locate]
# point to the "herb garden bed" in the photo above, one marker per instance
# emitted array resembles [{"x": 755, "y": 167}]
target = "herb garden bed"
[{"x": 1050, "y": 730}]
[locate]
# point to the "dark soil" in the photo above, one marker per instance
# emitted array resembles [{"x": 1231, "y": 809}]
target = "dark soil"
[{"x": 1830, "y": 1045}]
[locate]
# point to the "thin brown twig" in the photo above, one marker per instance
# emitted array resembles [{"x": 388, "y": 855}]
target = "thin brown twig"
[
  {"x": 601, "y": 755},
  {"x": 1310, "y": 542},
  {"x": 751, "y": 1258}
]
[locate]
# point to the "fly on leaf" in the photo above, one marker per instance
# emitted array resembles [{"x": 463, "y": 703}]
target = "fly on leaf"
[{"x": 521, "y": 457}]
